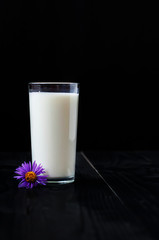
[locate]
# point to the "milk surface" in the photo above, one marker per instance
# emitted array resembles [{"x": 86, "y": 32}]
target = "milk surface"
[{"x": 53, "y": 119}]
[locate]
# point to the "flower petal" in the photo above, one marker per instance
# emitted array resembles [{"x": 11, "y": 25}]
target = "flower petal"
[
  {"x": 20, "y": 171},
  {"x": 39, "y": 170},
  {"x": 22, "y": 184},
  {"x": 18, "y": 177},
  {"x": 28, "y": 185},
  {"x": 28, "y": 167},
  {"x": 24, "y": 166},
  {"x": 42, "y": 178},
  {"x": 43, "y": 183}
]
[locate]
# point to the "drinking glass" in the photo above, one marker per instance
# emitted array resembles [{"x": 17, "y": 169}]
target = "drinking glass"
[{"x": 53, "y": 123}]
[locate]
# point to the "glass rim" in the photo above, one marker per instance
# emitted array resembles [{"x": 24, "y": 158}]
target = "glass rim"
[
  {"x": 53, "y": 83},
  {"x": 70, "y": 87}
]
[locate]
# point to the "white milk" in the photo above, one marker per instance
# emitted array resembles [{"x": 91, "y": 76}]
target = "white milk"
[{"x": 53, "y": 118}]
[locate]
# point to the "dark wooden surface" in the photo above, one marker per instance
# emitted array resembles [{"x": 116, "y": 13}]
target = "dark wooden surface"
[{"x": 115, "y": 196}]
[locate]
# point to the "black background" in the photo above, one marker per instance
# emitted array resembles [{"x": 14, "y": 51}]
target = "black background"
[{"x": 111, "y": 50}]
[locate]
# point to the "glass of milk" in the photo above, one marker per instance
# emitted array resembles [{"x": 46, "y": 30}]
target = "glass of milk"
[{"x": 53, "y": 123}]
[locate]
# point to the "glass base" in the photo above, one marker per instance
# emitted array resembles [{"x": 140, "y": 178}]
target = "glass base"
[{"x": 60, "y": 180}]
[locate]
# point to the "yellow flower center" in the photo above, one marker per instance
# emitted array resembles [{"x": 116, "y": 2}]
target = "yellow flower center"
[{"x": 30, "y": 177}]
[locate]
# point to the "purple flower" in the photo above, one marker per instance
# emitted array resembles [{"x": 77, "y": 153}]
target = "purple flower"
[{"x": 30, "y": 175}]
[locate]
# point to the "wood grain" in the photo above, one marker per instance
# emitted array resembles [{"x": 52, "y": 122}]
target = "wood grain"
[
  {"x": 134, "y": 177},
  {"x": 107, "y": 201}
]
